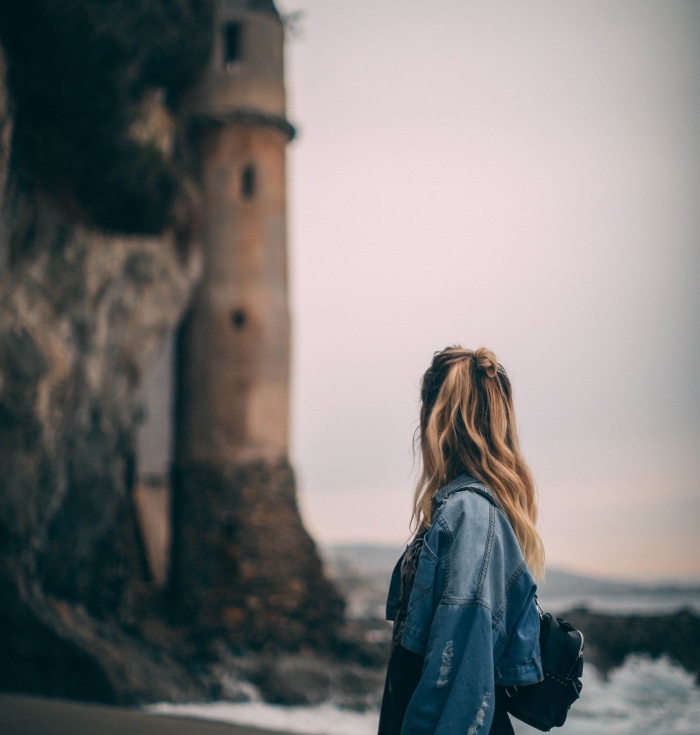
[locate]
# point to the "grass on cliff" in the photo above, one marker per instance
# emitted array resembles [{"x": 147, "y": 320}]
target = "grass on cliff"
[{"x": 77, "y": 70}]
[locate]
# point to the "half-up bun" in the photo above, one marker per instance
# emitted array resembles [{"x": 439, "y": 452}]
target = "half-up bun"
[
  {"x": 485, "y": 360},
  {"x": 467, "y": 424}
]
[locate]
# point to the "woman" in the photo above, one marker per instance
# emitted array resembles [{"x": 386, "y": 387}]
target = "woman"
[{"x": 462, "y": 596}]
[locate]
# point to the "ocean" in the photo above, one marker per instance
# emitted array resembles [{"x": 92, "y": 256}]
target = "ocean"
[{"x": 643, "y": 697}]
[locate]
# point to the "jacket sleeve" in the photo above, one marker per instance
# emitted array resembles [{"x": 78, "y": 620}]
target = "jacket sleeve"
[
  {"x": 520, "y": 663},
  {"x": 456, "y": 691}
]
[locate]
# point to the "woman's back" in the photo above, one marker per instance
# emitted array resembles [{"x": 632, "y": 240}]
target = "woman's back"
[
  {"x": 470, "y": 618},
  {"x": 466, "y": 623}
]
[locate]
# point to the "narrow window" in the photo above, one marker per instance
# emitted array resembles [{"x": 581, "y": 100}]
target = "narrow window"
[
  {"x": 248, "y": 182},
  {"x": 232, "y": 43},
  {"x": 239, "y": 318}
]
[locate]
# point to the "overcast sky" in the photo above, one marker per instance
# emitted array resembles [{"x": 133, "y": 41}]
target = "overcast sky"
[{"x": 524, "y": 176}]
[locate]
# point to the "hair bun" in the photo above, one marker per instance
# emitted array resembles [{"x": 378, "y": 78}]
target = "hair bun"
[{"x": 485, "y": 360}]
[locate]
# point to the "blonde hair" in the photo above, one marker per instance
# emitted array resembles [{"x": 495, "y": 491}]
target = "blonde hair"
[{"x": 467, "y": 424}]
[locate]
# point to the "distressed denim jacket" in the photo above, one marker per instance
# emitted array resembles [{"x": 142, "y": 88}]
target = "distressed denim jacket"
[{"x": 471, "y": 614}]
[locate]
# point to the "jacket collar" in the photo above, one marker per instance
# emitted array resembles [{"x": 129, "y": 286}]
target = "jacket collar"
[{"x": 459, "y": 483}]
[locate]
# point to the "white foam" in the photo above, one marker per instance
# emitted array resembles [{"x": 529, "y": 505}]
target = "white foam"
[
  {"x": 323, "y": 719},
  {"x": 643, "y": 697}
]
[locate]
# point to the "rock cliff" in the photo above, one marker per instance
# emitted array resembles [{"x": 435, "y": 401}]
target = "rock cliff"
[
  {"x": 81, "y": 314},
  {"x": 611, "y": 638},
  {"x": 98, "y": 262}
]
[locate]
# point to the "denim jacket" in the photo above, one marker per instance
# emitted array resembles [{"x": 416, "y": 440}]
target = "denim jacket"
[{"x": 471, "y": 614}]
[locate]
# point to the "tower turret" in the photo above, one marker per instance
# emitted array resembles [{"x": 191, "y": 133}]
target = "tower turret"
[
  {"x": 242, "y": 560},
  {"x": 236, "y": 400},
  {"x": 246, "y": 71}
]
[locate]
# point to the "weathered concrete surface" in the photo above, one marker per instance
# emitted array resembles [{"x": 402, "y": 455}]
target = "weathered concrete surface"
[
  {"x": 152, "y": 502},
  {"x": 233, "y": 399},
  {"x": 256, "y": 84},
  {"x": 243, "y": 566}
]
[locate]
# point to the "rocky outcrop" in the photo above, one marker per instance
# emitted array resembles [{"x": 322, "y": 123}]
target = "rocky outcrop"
[
  {"x": 90, "y": 287},
  {"x": 81, "y": 315},
  {"x": 609, "y": 639},
  {"x": 56, "y": 648},
  {"x": 80, "y": 73},
  {"x": 82, "y": 312},
  {"x": 299, "y": 680}
]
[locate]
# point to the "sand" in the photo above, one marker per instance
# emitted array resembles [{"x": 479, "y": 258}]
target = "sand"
[{"x": 24, "y": 715}]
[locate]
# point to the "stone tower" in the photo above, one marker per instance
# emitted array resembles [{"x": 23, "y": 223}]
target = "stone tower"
[{"x": 242, "y": 562}]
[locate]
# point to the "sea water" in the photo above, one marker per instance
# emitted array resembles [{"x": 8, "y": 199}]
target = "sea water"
[
  {"x": 643, "y": 697},
  {"x": 652, "y": 603}
]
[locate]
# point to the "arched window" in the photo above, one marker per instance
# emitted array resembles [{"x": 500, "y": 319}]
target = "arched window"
[
  {"x": 233, "y": 44},
  {"x": 239, "y": 318},
  {"x": 248, "y": 182}
]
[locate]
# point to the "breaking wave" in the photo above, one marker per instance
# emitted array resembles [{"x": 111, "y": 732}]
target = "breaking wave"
[{"x": 643, "y": 697}]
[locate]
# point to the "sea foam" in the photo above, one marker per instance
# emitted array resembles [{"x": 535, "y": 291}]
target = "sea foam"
[{"x": 643, "y": 697}]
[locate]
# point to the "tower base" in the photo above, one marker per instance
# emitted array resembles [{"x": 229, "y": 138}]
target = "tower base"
[{"x": 244, "y": 566}]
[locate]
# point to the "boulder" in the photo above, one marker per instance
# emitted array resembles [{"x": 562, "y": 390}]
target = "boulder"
[{"x": 609, "y": 639}]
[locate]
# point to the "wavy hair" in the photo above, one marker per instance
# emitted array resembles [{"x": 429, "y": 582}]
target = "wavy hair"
[{"x": 467, "y": 424}]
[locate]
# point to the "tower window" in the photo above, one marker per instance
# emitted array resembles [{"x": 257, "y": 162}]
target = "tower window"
[
  {"x": 239, "y": 318},
  {"x": 248, "y": 182},
  {"x": 233, "y": 37}
]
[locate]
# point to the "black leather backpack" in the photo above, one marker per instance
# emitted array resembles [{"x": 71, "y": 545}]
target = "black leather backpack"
[{"x": 546, "y": 705}]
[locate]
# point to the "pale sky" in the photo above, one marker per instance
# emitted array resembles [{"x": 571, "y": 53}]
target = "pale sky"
[{"x": 524, "y": 176}]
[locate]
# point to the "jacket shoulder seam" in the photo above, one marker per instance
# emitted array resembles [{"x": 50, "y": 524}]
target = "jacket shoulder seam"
[
  {"x": 448, "y": 556},
  {"x": 487, "y": 551}
]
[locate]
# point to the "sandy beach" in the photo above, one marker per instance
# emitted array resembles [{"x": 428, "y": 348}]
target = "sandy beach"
[{"x": 23, "y": 715}]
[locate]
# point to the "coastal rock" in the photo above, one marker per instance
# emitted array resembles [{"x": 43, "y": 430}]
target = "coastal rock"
[
  {"x": 82, "y": 312},
  {"x": 54, "y": 648},
  {"x": 299, "y": 679},
  {"x": 81, "y": 315},
  {"x": 309, "y": 680},
  {"x": 609, "y": 639},
  {"x": 295, "y": 680},
  {"x": 98, "y": 263}
]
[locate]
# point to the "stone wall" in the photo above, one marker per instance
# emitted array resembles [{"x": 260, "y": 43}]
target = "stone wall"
[{"x": 244, "y": 567}]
